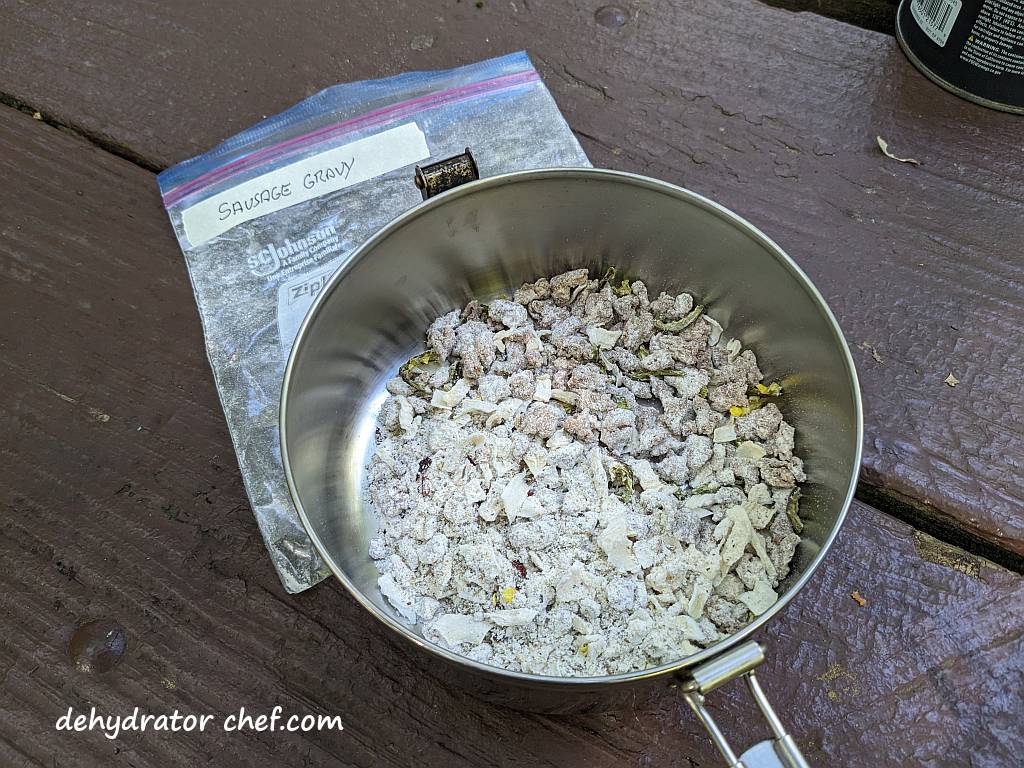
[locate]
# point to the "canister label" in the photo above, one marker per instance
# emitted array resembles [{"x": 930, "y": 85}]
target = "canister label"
[
  {"x": 936, "y": 17},
  {"x": 974, "y": 48}
]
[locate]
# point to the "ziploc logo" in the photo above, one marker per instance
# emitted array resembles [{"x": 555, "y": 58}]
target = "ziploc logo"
[
  {"x": 304, "y": 180},
  {"x": 294, "y": 298},
  {"x": 307, "y": 289}
]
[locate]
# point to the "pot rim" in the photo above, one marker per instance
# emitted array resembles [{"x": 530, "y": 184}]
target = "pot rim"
[{"x": 400, "y": 221}]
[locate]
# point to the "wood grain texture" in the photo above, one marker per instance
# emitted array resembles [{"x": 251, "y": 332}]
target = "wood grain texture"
[
  {"x": 772, "y": 113},
  {"x": 121, "y": 501}
]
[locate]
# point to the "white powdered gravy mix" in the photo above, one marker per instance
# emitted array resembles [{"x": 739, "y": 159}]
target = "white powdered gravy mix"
[{"x": 582, "y": 481}]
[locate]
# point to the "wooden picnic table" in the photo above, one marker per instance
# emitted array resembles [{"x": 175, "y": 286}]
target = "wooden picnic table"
[{"x": 123, "y": 502}]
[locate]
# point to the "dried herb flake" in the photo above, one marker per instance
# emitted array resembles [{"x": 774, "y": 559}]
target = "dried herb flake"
[
  {"x": 772, "y": 390},
  {"x": 622, "y": 476},
  {"x": 675, "y": 326},
  {"x": 647, "y": 375},
  {"x": 623, "y": 288},
  {"x": 411, "y": 367},
  {"x": 793, "y": 511}
]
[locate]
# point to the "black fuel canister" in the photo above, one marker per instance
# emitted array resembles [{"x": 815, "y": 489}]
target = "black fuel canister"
[{"x": 973, "y": 48}]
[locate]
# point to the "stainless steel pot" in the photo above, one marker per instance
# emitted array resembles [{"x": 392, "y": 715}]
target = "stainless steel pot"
[{"x": 482, "y": 240}]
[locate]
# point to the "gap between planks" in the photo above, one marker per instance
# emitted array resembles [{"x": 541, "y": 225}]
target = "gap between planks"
[
  {"x": 876, "y": 15},
  {"x": 929, "y": 519},
  {"x": 97, "y": 140},
  {"x": 913, "y": 512}
]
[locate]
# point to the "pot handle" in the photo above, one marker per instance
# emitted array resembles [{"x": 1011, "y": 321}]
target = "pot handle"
[{"x": 781, "y": 750}]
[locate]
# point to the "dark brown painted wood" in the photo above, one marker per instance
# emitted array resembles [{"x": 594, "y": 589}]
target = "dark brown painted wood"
[
  {"x": 773, "y": 113},
  {"x": 122, "y": 504}
]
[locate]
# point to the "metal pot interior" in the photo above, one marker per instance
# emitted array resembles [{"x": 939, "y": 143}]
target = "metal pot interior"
[{"x": 483, "y": 240}]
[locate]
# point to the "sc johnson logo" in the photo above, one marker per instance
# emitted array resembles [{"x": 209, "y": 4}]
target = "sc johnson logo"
[{"x": 275, "y": 257}]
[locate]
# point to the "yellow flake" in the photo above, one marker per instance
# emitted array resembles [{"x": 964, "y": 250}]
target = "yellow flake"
[
  {"x": 738, "y": 410},
  {"x": 585, "y": 649},
  {"x": 774, "y": 389},
  {"x": 508, "y": 594}
]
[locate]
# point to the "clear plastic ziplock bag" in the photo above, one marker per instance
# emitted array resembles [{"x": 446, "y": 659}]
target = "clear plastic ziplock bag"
[{"x": 266, "y": 218}]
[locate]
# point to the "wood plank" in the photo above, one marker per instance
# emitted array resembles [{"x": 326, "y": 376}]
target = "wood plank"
[
  {"x": 122, "y": 503},
  {"x": 770, "y": 112}
]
